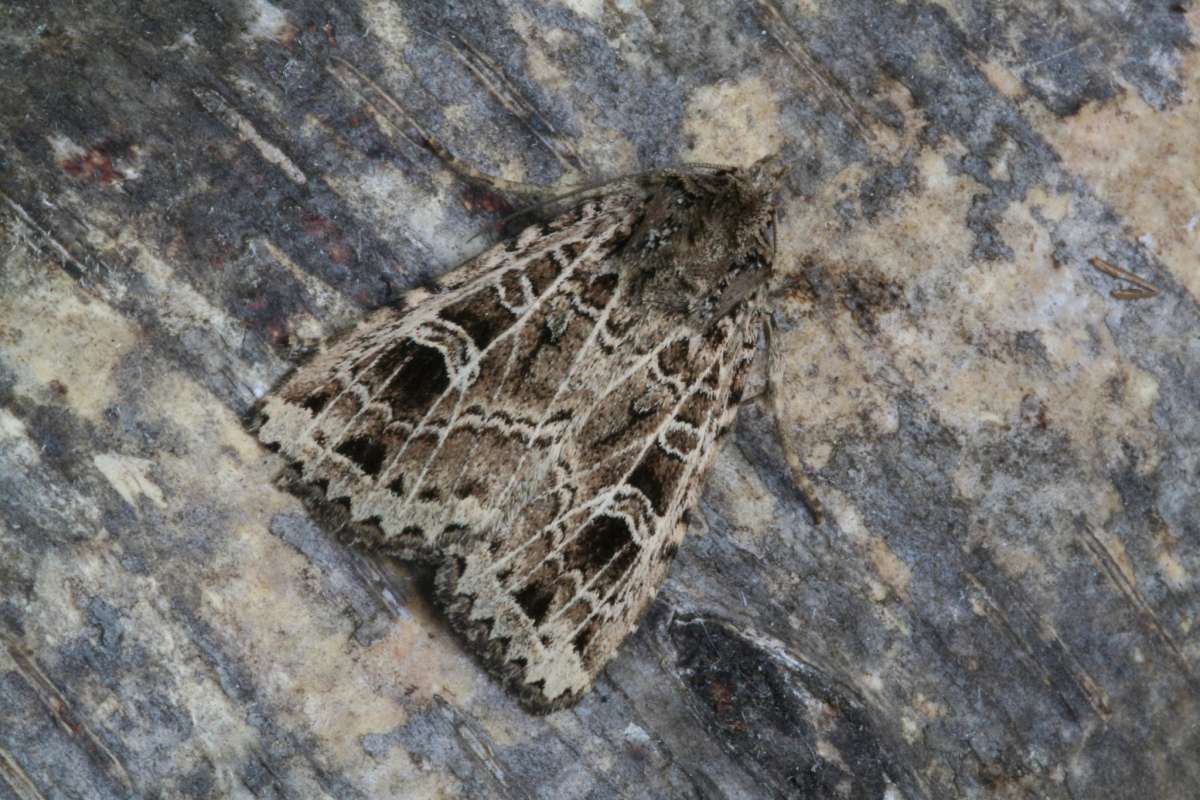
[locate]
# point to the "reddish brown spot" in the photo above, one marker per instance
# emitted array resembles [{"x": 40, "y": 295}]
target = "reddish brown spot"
[
  {"x": 721, "y": 697},
  {"x": 94, "y": 166},
  {"x": 798, "y": 286},
  {"x": 318, "y": 226},
  {"x": 339, "y": 252},
  {"x": 335, "y": 245},
  {"x": 477, "y": 199},
  {"x": 278, "y": 332}
]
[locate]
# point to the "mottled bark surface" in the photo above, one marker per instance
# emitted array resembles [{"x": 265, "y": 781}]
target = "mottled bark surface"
[{"x": 1004, "y": 599}]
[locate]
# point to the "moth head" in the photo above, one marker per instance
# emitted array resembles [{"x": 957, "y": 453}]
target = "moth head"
[
  {"x": 705, "y": 238},
  {"x": 740, "y": 210},
  {"x": 762, "y": 181}
]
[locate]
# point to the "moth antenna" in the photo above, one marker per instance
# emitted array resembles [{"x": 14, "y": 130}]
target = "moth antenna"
[
  {"x": 427, "y": 140},
  {"x": 604, "y": 185},
  {"x": 492, "y": 77}
]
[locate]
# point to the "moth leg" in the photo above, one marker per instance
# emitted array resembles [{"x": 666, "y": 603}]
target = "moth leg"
[{"x": 808, "y": 492}]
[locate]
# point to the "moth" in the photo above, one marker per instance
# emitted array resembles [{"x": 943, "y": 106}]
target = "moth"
[{"x": 537, "y": 425}]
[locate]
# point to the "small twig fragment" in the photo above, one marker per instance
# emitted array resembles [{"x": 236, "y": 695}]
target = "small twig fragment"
[{"x": 1144, "y": 290}]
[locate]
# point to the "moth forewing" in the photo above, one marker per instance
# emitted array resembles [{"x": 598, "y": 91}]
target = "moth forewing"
[{"x": 538, "y": 429}]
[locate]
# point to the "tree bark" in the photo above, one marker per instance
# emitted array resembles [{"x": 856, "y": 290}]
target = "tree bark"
[{"x": 1003, "y": 599}]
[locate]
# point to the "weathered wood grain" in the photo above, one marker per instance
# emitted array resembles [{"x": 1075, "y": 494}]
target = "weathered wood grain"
[{"x": 1004, "y": 600}]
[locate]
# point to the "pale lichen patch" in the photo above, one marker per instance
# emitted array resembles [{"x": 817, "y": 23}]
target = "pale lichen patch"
[
  {"x": 1130, "y": 154},
  {"x": 889, "y": 567},
  {"x": 380, "y": 191},
  {"x": 265, "y": 20},
  {"x": 732, "y": 122},
  {"x": 1051, "y": 206},
  {"x": 68, "y": 345},
  {"x": 1002, "y": 79},
  {"x": 131, "y": 477},
  {"x": 735, "y": 486},
  {"x": 589, "y": 9}
]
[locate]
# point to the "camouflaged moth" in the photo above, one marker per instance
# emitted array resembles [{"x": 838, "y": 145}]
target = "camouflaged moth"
[{"x": 538, "y": 424}]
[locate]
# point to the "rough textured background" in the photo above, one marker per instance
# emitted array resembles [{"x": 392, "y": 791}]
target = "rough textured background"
[{"x": 1004, "y": 601}]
